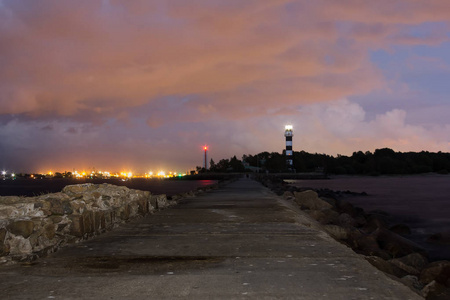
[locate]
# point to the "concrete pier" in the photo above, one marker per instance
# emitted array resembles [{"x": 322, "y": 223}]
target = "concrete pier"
[{"x": 238, "y": 242}]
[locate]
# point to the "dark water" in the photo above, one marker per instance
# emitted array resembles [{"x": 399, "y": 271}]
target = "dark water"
[
  {"x": 30, "y": 187},
  {"x": 421, "y": 201}
]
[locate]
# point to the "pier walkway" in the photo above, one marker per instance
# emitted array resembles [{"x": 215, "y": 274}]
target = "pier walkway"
[{"x": 238, "y": 242}]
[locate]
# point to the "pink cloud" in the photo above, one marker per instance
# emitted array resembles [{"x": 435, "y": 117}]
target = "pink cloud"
[
  {"x": 227, "y": 73},
  {"x": 59, "y": 56}
]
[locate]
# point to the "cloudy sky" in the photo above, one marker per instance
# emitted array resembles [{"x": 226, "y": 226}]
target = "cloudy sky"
[{"x": 143, "y": 85}]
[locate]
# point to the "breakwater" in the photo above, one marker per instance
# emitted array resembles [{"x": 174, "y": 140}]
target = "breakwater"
[
  {"x": 369, "y": 234},
  {"x": 31, "y": 227}
]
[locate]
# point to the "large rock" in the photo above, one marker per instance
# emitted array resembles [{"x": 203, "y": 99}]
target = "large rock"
[
  {"x": 368, "y": 245},
  {"x": 374, "y": 222},
  {"x": 18, "y": 245},
  {"x": 401, "y": 229},
  {"x": 23, "y": 228},
  {"x": 395, "y": 244},
  {"x": 385, "y": 266},
  {"x": 412, "y": 282},
  {"x": 440, "y": 238},
  {"x": 325, "y": 216},
  {"x": 337, "y": 232},
  {"x": 77, "y": 225},
  {"x": 331, "y": 201},
  {"x": 346, "y": 207},
  {"x": 346, "y": 220},
  {"x": 412, "y": 263},
  {"x": 435, "y": 291},
  {"x": 310, "y": 200},
  {"x": 438, "y": 271},
  {"x": 159, "y": 201},
  {"x": 7, "y": 212},
  {"x": 78, "y": 189},
  {"x": 57, "y": 203},
  {"x": 288, "y": 195},
  {"x": 3, "y": 248}
]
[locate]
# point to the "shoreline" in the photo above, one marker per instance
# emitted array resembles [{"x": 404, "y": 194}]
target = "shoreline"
[
  {"x": 368, "y": 234},
  {"x": 416, "y": 201}
]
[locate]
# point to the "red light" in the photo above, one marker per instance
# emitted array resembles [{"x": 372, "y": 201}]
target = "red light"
[{"x": 205, "y": 148}]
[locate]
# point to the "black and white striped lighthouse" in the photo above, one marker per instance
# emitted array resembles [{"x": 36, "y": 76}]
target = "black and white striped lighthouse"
[{"x": 289, "y": 155}]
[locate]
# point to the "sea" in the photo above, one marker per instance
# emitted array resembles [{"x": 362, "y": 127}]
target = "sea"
[{"x": 420, "y": 201}]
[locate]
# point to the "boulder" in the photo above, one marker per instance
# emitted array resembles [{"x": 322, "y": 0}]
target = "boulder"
[
  {"x": 368, "y": 245},
  {"x": 331, "y": 201},
  {"x": 77, "y": 225},
  {"x": 331, "y": 216},
  {"x": 23, "y": 228},
  {"x": 310, "y": 200},
  {"x": 8, "y": 212},
  {"x": 288, "y": 195},
  {"x": 352, "y": 237},
  {"x": 325, "y": 216},
  {"x": 360, "y": 220},
  {"x": 78, "y": 206},
  {"x": 412, "y": 282},
  {"x": 401, "y": 229},
  {"x": 3, "y": 249},
  {"x": 395, "y": 244},
  {"x": 60, "y": 206},
  {"x": 159, "y": 201},
  {"x": 412, "y": 263},
  {"x": 78, "y": 189},
  {"x": 385, "y": 266},
  {"x": 435, "y": 291},
  {"x": 317, "y": 215},
  {"x": 438, "y": 271},
  {"x": 440, "y": 238},
  {"x": 374, "y": 222},
  {"x": 346, "y": 220},
  {"x": 18, "y": 245},
  {"x": 346, "y": 207},
  {"x": 337, "y": 232},
  {"x": 50, "y": 231}
]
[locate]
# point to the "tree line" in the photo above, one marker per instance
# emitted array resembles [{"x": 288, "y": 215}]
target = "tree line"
[{"x": 381, "y": 161}]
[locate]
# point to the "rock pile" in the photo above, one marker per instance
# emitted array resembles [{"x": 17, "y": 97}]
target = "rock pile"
[
  {"x": 34, "y": 226},
  {"x": 370, "y": 235}
]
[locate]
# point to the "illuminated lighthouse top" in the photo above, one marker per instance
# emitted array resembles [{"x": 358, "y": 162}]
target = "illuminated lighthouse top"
[{"x": 288, "y": 130}]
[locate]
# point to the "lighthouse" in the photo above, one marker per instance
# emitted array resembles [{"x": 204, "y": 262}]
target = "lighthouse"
[{"x": 289, "y": 155}]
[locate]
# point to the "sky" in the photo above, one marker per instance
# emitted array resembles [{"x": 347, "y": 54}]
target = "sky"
[{"x": 143, "y": 85}]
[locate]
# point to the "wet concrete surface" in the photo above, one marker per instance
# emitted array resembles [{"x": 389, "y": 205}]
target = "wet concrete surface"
[{"x": 238, "y": 242}]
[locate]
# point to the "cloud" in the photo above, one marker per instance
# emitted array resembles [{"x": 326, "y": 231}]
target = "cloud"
[
  {"x": 63, "y": 58},
  {"x": 343, "y": 127},
  {"x": 338, "y": 127},
  {"x": 133, "y": 81}
]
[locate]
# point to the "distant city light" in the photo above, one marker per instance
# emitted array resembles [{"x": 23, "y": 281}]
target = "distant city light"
[{"x": 93, "y": 174}]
